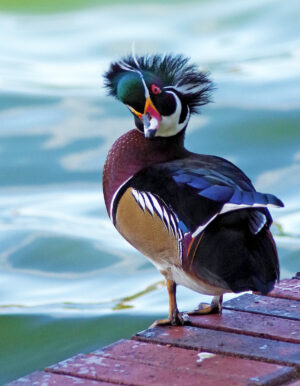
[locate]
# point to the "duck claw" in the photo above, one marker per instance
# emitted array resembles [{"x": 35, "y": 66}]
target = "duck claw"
[
  {"x": 205, "y": 309},
  {"x": 178, "y": 319}
]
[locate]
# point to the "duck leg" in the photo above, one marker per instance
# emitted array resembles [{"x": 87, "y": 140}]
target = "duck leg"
[
  {"x": 214, "y": 307},
  {"x": 175, "y": 318}
]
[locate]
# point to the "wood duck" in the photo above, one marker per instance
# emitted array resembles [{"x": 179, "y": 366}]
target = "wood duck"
[{"x": 197, "y": 217}]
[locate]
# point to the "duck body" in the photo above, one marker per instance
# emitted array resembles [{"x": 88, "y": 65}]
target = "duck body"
[
  {"x": 197, "y": 217},
  {"x": 151, "y": 191}
]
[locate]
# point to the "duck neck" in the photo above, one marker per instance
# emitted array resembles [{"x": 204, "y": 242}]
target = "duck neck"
[{"x": 132, "y": 152}]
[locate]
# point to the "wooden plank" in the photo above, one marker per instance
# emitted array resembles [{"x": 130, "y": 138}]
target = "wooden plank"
[
  {"x": 282, "y": 308},
  {"x": 138, "y": 363},
  {"x": 225, "y": 343},
  {"x": 287, "y": 289},
  {"x": 264, "y": 326},
  {"x": 129, "y": 373},
  {"x": 248, "y": 371},
  {"x": 49, "y": 379}
]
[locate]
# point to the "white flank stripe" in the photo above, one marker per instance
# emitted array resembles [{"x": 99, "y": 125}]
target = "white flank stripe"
[
  {"x": 148, "y": 203},
  {"x": 135, "y": 194},
  {"x": 138, "y": 198},
  {"x": 174, "y": 227},
  {"x": 141, "y": 200},
  {"x": 114, "y": 197},
  {"x": 167, "y": 219},
  {"x": 157, "y": 206}
]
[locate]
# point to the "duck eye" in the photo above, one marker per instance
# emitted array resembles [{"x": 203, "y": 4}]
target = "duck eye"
[{"x": 155, "y": 89}]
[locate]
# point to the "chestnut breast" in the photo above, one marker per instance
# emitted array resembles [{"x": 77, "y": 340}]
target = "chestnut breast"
[{"x": 131, "y": 153}]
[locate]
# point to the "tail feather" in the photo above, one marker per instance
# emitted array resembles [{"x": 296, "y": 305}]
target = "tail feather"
[
  {"x": 230, "y": 253},
  {"x": 257, "y": 221}
]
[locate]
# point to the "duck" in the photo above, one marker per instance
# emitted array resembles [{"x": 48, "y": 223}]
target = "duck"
[{"x": 196, "y": 217}]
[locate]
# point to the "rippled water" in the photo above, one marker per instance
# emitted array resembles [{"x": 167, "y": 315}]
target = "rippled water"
[{"x": 69, "y": 282}]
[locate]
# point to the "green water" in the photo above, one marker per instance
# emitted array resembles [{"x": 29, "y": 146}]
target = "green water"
[{"x": 69, "y": 282}]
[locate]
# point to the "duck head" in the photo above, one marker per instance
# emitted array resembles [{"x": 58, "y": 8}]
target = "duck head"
[{"x": 160, "y": 91}]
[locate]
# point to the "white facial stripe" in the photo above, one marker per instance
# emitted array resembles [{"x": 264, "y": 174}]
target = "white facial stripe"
[
  {"x": 147, "y": 94},
  {"x": 170, "y": 125}
]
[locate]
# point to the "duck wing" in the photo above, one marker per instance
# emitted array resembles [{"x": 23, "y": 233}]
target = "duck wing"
[{"x": 200, "y": 187}]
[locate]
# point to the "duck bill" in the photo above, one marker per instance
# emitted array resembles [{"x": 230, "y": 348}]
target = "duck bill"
[{"x": 151, "y": 119}]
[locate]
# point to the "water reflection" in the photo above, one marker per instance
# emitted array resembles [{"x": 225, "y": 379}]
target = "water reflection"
[{"x": 57, "y": 124}]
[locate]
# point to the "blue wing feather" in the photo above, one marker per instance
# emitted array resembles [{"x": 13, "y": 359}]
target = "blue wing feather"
[
  {"x": 248, "y": 198},
  {"x": 237, "y": 197},
  {"x": 217, "y": 193},
  {"x": 274, "y": 200},
  {"x": 221, "y": 188},
  {"x": 261, "y": 198},
  {"x": 182, "y": 178},
  {"x": 199, "y": 183}
]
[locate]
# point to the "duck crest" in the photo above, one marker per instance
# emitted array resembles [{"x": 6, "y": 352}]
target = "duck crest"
[{"x": 131, "y": 153}]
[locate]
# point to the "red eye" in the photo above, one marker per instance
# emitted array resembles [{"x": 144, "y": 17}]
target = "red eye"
[{"x": 155, "y": 89}]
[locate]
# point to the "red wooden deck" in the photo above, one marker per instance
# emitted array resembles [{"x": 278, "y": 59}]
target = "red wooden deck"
[{"x": 254, "y": 342}]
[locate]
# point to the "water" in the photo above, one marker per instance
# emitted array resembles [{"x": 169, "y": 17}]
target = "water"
[{"x": 69, "y": 282}]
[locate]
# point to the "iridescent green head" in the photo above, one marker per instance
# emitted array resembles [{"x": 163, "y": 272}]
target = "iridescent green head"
[
  {"x": 130, "y": 90},
  {"x": 160, "y": 91}
]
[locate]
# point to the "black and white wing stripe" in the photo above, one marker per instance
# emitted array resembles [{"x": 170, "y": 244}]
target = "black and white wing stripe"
[{"x": 151, "y": 203}]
